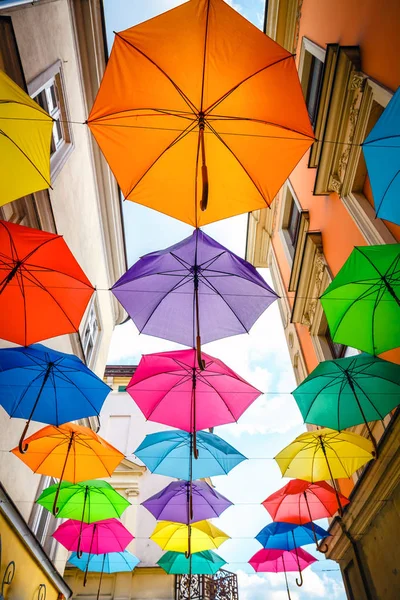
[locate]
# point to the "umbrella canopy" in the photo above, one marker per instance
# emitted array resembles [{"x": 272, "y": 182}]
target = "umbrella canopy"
[
  {"x": 175, "y": 536},
  {"x": 87, "y": 501},
  {"x": 185, "y": 502},
  {"x": 161, "y": 289},
  {"x": 71, "y": 452},
  {"x": 95, "y": 538},
  {"x": 40, "y": 384},
  {"x": 25, "y": 136},
  {"x": 278, "y": 561},
  {"x": 362, "y": 304},
  {"x": 349, "y": 391},
  {"x": 287, "y": 536},
  {"x": 170, "y": 388},
  {"x": 300, "y": 502},
  {"x": 43, "y": 290},
  {"x": 324, "y": 454},
  {"x": 201, "y": 563},
  {"x": 192, "y": 107},
  {"x": 169, "y": 453},
  {"x": 112, "y": 562},
  {"x": 382, "y": 156}
]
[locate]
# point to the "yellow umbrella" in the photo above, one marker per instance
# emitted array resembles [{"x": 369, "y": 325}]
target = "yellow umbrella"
[
  {"x": 324, "y": 454},
  {"x": 175, "y": 536},
  {"x": 25, "y": 136}
]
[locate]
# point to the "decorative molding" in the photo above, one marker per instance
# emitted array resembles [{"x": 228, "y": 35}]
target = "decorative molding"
[
  {"x": 309, "y": 283},
  {"x": 335, "y": 185},
  {"x": 283, "y": 22},
  {"x": 297, "y": 264},
  {"x": 259, "y": 232}
]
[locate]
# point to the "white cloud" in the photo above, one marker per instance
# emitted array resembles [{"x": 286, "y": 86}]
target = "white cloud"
[{"x": 235, "y": 5}]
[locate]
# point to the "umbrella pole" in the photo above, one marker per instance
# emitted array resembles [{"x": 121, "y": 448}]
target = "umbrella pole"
[
  {"x": 10, "y": 276},
  {"x": 195, "y": 451},
  {"x": 371, "y": 435},
  {"x": 200, "y": 361},
  {"x": 24, "y": 448},
  {"x": 101, "y": 576},
  {"x": 319, "y": 548},
  {"x": 204, "y": 170},
  {"x": 340, "y": 507},
  {"x": 298, "y": 563},
  {"x": 287, "y": 584},
  {"x": 90, "y": 552},
  {"x": 55, "y": 509},
  {"x": 78, "y": 550}
]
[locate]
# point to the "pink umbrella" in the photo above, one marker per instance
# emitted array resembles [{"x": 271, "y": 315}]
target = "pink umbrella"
[
  {"x": 101, "y": 537},
  {"x": 170, "y": 388},
  {"x": 278, "y": 561}
]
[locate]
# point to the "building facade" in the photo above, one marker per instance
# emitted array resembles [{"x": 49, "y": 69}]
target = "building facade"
[
  {"x": 346, "y": 54},
  {"x": 55, "y": 50}
]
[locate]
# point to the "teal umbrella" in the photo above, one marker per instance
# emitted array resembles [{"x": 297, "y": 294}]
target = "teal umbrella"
[
  {"x": 349, "y": 391},
  {"x": 362, "y": 304},
  {"x": 199, "y": 563}
]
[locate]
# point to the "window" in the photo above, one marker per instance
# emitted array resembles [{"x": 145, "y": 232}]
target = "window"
[
  {"x": 310, "y": 72},
  {"x": 122, "y": 388},
  {"x": 118, "y": 428},
  {"x": 91, "y": 332},
  {"x": 289, "y": 221},
  {"x": 43, "y": 523},
  {"x": 48, "y": 91}
]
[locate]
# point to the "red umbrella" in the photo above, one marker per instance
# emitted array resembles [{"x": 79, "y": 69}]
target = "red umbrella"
[
  {"x": 43, "y": 290},
  {"x": 301, "y": 502}
]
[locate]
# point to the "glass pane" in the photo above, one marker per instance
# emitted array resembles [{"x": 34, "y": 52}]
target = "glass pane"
[
  {"x": 293, "y": 223},
  {"x": 313, "y": 88},
  {"x": 41, "y": 99}
]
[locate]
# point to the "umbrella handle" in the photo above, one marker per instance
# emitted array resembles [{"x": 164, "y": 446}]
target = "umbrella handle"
[
  {"x": 55, "y": 509},
  {"x": 287, "y": 585},
  {"x": 204, "y": 170},
  {"x": 301, "y": 579},
  {"x": 323, "y": 548},
  {"x": 188, "y": 552},
  {"x": 23, "y": 448},
  {"x": 79, "y": 552},
  {"x": 200, "y": 361}
]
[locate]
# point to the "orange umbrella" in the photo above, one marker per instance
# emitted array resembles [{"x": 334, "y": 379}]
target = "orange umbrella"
[
  {"x": 200, "y": 115},
  {"x": 70, "y": 452}
]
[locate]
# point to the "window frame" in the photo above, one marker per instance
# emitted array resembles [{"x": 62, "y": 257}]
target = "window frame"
[
  {"x": 310, "y": 50},
  {"x": 289, "y": 198},
  {"x": 93, "y": 313},
  {"x": 53, "y": 76}
]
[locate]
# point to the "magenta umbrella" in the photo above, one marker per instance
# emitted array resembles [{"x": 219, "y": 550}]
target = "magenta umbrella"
[
  {"x": 282, "y": 561},
  {"x": 170, "y": 388},
  {"x": 101, "y": 537}
]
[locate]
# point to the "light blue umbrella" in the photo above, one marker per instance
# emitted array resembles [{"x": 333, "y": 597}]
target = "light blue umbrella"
[
  {"x": 169, "y": 453},
  {"x": 41, "y": 384},
  {"x": 287, "y": 536},
  {"x": 113, "y": 562},
  {"x": 382, "y": 155}
]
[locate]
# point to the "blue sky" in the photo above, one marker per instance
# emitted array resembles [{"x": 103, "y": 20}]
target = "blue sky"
[{"x": 261, "y": 357}]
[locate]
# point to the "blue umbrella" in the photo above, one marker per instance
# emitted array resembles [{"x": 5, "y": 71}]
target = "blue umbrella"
[
  {"x": 40, "y": 384},
  {"x": 169, "y": 453},
  {"x": 113, "y": 562},
  {"x": 287, "y": 536},
  {"x": 382, "y": 155}
]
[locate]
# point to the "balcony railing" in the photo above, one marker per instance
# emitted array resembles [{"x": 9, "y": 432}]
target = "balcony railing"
[{"x": 221, "y": 586}]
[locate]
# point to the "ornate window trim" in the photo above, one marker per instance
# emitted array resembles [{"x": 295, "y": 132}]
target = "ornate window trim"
[
  {"x": 287, "y": 195},
  {"x": 259, "y": 231},
  {"x": 283, "y": 20}
]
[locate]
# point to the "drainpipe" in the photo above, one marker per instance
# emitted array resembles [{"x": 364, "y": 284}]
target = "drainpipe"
[{"x": 357, "y": 557}]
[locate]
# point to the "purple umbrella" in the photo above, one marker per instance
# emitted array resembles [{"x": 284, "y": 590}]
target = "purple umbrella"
[
  {"x": 195, "y": 288},
  {"x": 184, "y": 502}
]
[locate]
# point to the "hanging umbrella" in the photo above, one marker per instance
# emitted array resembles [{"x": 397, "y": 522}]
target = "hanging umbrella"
[
  {"x": 86, "y": 501},
  {"x": 25, "y": 136},
  {"x": 197, "y": 537},
  {"x": 278, "y": 561},
  {"x": 382, "y": 156},
  {"x": 93, "y": 538},
  {"x": 43, "y": 290},
  {"x": 349, "y": 391},
  {"x": 169, "y": 453},
  {"x": 200, "y": 115},
  {"x": 40, "y": 384},
  {"x": 362, "y": 304},
  {"x": 170, "y": 388},
  {"x": 187, "y": 502},
  {"x": 288, "y": 536},
  {"x": 112, "y": 562},
  {"x": 161, "y": 289},
  {"x": 300, "y": 502},
  {"x": 71, "y": 452},
  {"x": 325, "y": 454},
  {"x": 200, "y": 563}
]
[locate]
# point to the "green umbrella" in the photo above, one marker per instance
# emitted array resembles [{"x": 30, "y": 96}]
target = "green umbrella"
[
  {"x": 349, "y": 391},
  {"x": 200, "y": 563},
  {"x": 362, "y": 304}
]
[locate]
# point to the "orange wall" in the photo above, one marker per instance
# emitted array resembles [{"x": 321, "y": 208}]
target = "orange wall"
[{"x": 374, "y": 26}]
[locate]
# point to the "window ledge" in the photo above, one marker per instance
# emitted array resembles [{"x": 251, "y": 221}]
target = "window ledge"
[{"x": 297, "y": 264}]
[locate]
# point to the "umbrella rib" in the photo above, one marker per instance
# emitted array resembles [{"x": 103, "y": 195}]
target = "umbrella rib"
[
  {"x": 261, "y": 122},
  {"x": 38, "y": 269},
  {"x": 182, "y": 380},
  {"x": 26, "y": 391},
  {"x": 386, "y": 191},
  {"x": 163, "y": 112},
  {"x": 229, "y": 92},
  {"x": 27, "y": 158},
  {"x": 315, "y": 398},
  {"x": 267, "y": 202},
  {"x": 204, "y": 56},
  {"x": 63, "y": 374},
  {"x": 178, "y": 89},
  {"x": 181, "y": 135},
  {"x": 218, "y": 393},
  {"x": 355, "y": 383}
]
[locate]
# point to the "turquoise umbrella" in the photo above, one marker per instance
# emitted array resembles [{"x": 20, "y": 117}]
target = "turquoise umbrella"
[{"x": 199, "y": 563}]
